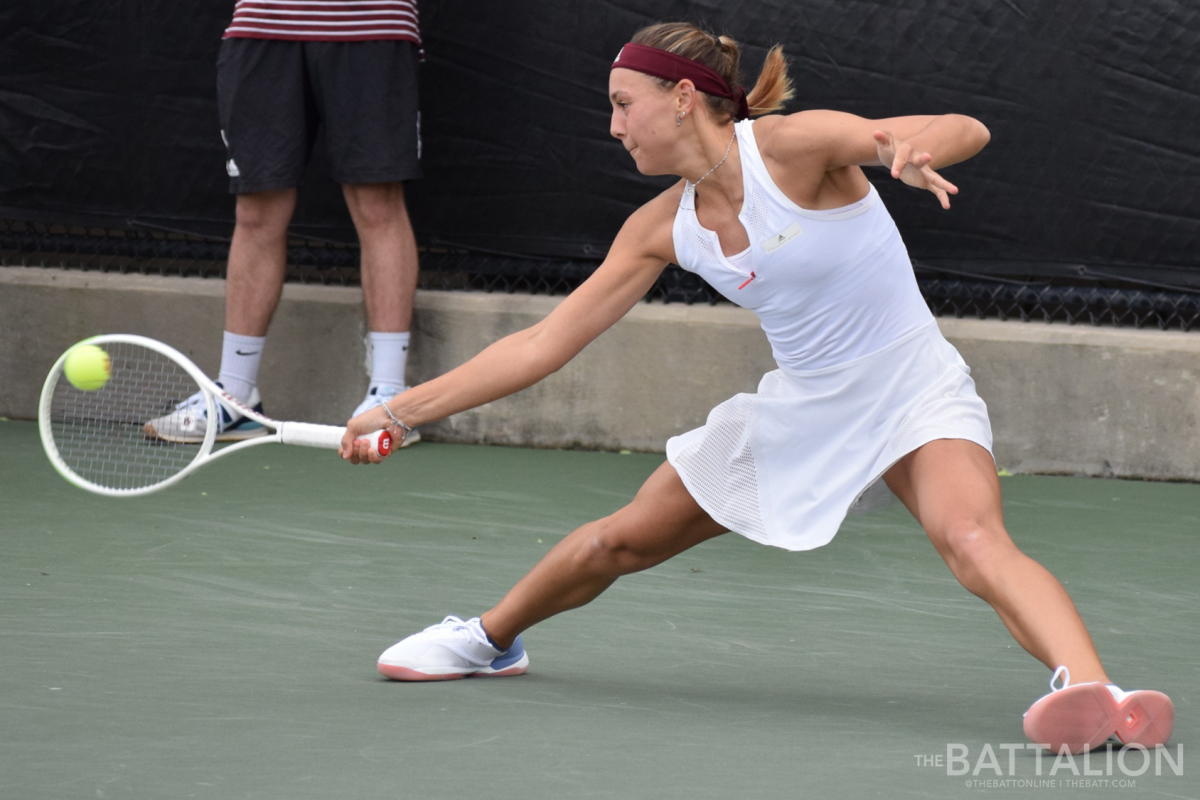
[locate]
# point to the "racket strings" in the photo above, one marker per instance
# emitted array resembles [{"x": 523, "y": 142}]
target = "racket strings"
[{"x": 100, "y": 435}]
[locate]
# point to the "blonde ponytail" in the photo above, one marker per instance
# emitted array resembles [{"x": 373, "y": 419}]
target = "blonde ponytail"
[{"x": 774, "y": 87}]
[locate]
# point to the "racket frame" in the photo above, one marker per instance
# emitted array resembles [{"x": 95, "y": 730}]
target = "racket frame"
[{"x": 294, "y": 433}]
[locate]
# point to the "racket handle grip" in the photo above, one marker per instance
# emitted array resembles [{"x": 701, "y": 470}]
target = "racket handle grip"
[{"x": 329, "y": 437}]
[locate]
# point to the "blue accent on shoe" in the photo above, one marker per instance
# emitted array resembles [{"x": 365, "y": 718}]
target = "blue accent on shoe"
[
  {"x": 509, "y": 657},
  {"x": 243, "y": 424}
]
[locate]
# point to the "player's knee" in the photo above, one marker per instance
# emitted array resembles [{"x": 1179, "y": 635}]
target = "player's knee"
[
  {"x": 609, "y": 549},
  {"x": 973, "y": 553}
]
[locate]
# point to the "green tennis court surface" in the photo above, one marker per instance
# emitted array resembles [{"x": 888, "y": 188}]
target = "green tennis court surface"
[{"x": 218, "y": 640}]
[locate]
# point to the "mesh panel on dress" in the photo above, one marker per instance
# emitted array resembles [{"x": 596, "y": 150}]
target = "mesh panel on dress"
[
  {"x": 875, "y": 497},
  {"x": 756, "y": 213},
  {"x": 720, "y": 468},
  {"x": 702, "y": 244}
]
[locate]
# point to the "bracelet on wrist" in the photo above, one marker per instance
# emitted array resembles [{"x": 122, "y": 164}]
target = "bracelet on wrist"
[{"x": 405, "y": 430}]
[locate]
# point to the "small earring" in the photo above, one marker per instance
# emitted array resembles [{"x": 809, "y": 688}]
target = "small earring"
[{"x": 679, "y": 118}]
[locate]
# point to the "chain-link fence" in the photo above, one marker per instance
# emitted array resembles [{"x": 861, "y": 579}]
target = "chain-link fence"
[
  {"x": 1138, "y": 308},
  {"x": 154, "y": 251}
]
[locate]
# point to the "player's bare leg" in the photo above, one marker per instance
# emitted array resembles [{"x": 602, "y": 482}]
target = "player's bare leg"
[
  {"x": 257, "y": 260},
  {"x": 389, "y": 253},
  {"x": 950, "y": 486},
  {"x": 662, "y": 521}
]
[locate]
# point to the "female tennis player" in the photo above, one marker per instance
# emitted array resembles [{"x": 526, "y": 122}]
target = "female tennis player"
[{"x": 777, "y": 215}]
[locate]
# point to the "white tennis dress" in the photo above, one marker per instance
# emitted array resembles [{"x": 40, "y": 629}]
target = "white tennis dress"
[{"x": 864, "y": 375}]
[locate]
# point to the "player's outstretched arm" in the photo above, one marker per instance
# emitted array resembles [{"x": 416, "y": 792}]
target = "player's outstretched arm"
[
  {"x": 637, "y": 257},
  {"x": 913, "y": 148}
]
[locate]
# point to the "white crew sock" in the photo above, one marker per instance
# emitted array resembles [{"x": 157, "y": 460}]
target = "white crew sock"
[
  {"x": 240, "y": 357},
  {"x": 389, "y": 358}
]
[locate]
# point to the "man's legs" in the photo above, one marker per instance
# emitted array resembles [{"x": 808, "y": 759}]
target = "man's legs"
[
  {"x": 254, "y": 282},
  {"x": 257, "y": 260},
  {"x": 389, "y": 253},
  {"x": 389, "y": 281},
  {"x": 268, "y": 124},
  {"x": 253, "y": 285}
]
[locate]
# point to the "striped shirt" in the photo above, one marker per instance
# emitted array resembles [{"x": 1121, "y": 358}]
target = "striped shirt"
[{"x": 325, "y": 20}]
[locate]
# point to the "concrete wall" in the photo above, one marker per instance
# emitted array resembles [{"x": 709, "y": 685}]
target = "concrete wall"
[{"x": 1098, "y": 401}]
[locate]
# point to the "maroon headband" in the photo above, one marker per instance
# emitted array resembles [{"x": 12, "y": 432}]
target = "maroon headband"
[{"x": 671, "y": 67}]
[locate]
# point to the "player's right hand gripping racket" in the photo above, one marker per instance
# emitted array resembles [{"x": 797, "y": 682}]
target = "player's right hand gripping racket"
[{"x": 138, "y": 433}]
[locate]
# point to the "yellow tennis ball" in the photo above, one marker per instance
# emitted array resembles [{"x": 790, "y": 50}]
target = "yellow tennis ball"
[{"x": 87, "y": 367}]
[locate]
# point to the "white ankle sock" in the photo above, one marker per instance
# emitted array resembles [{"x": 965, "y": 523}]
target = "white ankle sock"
[
  {"x": 389, "y": 358},
  {"x": 240, "y": 357}
]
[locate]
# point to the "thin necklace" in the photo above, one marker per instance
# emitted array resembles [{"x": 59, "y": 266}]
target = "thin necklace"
[{"x": 719, "y": 163}]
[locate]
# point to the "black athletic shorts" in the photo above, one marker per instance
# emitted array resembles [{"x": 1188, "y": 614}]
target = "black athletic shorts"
[{"x": 272, "y": 95}]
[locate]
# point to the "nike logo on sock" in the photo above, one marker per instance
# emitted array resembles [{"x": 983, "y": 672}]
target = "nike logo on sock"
[{"x": 251, "y": 353}]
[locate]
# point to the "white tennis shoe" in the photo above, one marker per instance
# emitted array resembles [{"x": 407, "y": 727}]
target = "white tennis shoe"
[
  {"x": 450, "y": 650},
  {"x": 377, "y": 396},
  {"x": 1083, "y": 716},
  {"x": 188, "y": 423}
]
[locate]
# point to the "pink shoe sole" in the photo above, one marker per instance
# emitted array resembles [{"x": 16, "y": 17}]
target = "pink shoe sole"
[
  {"x": 1083, "y": 717},
  {"x": 1146, "y": 718},
  {"x": 405, "y": 674}
]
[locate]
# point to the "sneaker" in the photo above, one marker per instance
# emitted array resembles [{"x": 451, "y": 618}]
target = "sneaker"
[
  {"x": 450, "y": 650},
  {"x": 1082, "y": 717},
  {"x": 188, "y": 423},
  {"x": 377, "y": 396}
]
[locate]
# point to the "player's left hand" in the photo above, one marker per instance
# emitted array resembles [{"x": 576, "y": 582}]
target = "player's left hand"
[
  {"x": 912, "y": 167},
  {"x": 357, "y": 450}
]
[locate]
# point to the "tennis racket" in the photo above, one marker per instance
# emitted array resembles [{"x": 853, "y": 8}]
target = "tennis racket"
[{"x": 128, "y": 438}]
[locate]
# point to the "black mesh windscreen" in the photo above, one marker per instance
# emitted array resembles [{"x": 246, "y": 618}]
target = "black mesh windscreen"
[{"x": 108, "y": 115}]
